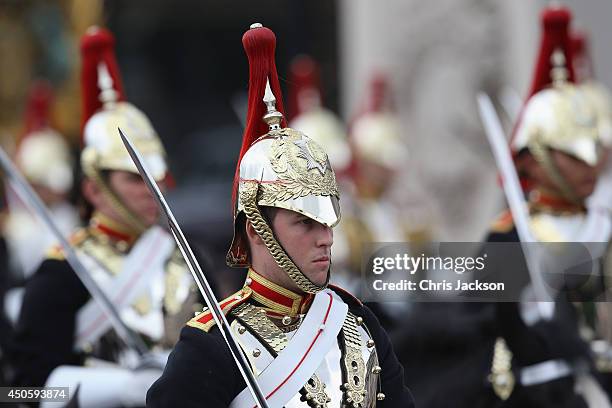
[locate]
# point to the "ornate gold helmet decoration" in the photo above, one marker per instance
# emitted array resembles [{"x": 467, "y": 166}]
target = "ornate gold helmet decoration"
[
  {"x": 278, "y": 166},
  {"x": 43, "y": 155},
  {"x": 104, "y": 110},
  {"x": 557, "y": 115}
]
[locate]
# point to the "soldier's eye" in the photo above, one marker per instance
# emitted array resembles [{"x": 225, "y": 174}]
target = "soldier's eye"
[{"x": 307, "y": 221}]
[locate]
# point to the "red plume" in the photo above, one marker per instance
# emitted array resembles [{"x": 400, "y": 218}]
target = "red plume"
[
  {"x": 378, "y": 98},
  {"x": 97, "y": 45},
  {"x": 583, "y": 63},
  {"x": 38, "y": 106},
  {"x": 555, "y": 24},
  {"x": 259, "y": 45},
  {"x": 304, "y": 76},
  {"x": 380, "y": 94}
]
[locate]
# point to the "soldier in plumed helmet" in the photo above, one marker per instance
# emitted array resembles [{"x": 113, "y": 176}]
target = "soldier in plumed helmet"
[
  {"x": 540, "y": 358},
  {"x": 63, "y": 337},
  {"x": 45, "y": 158},
  {"x": 307, "y": 342}
]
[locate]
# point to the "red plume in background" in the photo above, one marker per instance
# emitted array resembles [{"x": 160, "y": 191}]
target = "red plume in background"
[
  {"x": 378, "y": 97},
  {"x": 583, "y": 62},
  {"x": 38, "y": 107},
  {"x": 304, "y": 75},
  {"x": 259, "y": 45},
  {"x": 97, "y": 45},
  {"x": 555, "y": 25},
  {"x": 380, "y": 94}
]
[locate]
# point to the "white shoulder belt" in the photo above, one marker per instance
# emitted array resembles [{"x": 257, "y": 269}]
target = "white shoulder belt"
[{"x": 296, "y": 363}]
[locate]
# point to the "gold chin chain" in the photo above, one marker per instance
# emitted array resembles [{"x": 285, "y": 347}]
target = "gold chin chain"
[
  {"x": 248, "y": 197},
  {"x": 542, "y": 155}
]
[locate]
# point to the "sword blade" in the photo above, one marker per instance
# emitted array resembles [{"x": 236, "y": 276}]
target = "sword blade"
[
  {"x": 198, "y": 275},
  {"x": 29, "y": 196},
  {"x": 512, "y": 189}
]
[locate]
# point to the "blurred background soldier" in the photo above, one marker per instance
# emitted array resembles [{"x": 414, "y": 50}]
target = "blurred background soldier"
[
  {"x": 375, "y": 212},
  {"x": 599, "y": 322},
  {"x": 542, "y": 360},
  {"x": 62, "y": 336},
  {"x": 456, "y": 343},
  {"x": 308, "y": 114},
  {"x": 45, "y": 159}
]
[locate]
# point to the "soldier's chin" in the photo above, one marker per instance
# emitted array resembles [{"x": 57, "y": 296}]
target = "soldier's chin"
[
  {"x": 318, "y": 273},
  {"x": 585, "y": 190}
]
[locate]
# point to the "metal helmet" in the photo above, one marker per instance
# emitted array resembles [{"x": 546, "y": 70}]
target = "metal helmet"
[
  {"x": 311, "y": 117},
  {"x": 595, "y": 91},
  {"x": 278, "y": 166},
  {"x": 43, "y": 155},
  {"x": 376, "y": 133},
  {"x": 104, "y": 111},
  {"x": 558, "y": 114}
]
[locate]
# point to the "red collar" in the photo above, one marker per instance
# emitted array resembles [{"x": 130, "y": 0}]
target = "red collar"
[
  {"x": 542, "y": 200},
  {"x": 104, "y": 225},
  {"x": 277, "y": 299}
]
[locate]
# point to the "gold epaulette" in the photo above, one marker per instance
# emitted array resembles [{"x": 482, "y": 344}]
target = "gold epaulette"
[
  {"x": 56, "y": 252},
  {"x": 504, "y": 223},
  {"x": 204, "y": 320}
]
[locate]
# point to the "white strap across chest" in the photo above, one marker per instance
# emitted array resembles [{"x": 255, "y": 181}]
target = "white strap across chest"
[
  {"x": 145, "y": 261},
  {"x": 296, "y": 363}
]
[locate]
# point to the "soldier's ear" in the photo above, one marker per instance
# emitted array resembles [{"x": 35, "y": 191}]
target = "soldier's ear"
[
  {"x": 252, "y": 235},
  {"x": 91, "y": 191}
]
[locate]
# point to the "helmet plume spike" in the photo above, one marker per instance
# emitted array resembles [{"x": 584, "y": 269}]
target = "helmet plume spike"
[
  {"x": 38, "y": 106},
  {"x": 108, "y": 94},
  {"x": 272, "y": 117}
]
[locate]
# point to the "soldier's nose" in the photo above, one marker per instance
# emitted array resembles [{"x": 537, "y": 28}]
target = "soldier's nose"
[{"x": 326, "y": 236}]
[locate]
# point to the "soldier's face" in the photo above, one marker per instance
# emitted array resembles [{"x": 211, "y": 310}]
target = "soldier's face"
[
  {"x": 306, "y": 241},
  {"x": 135, "y": 195},
  {"x": 579, "y": 176}
]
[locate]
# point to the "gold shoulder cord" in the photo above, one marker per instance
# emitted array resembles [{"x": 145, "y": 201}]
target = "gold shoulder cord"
[
  {"x": 248, "y": 196},
  {"x": 255, "y": 319},
  {"x": 501, "y": 377}
]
